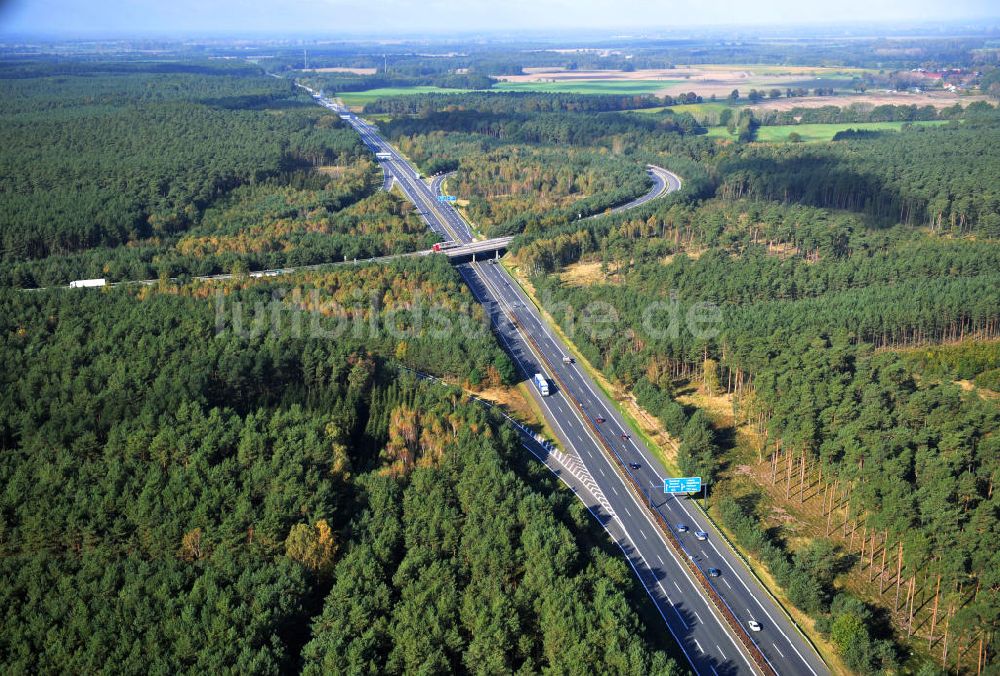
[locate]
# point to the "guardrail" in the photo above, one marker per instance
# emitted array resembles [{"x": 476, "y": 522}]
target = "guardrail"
[
  {"x": 758, "y": 657},
  {"x": 728, "y": 541}
]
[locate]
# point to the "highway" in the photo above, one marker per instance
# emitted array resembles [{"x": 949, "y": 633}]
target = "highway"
[
  {"x": 671, "y": 565},
  {"x": 663, "y": 182}
]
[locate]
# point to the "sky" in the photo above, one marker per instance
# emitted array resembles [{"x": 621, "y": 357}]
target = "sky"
[{"x": 402, "y": 17}]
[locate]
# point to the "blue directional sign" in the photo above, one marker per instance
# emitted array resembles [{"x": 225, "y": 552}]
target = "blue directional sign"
[
  {"x": 447, "y": 198},
  {"x": 684, "y": 484}
]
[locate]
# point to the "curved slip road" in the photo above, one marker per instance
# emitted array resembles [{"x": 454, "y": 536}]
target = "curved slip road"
[{"x": 711, "y": 645}]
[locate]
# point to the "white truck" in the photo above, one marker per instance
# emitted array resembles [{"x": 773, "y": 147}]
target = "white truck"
[
  {"x": 542, "y": 384},
  {"x": 82, "y": 283}
]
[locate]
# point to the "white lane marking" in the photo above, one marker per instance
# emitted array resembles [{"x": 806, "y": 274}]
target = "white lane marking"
[
  {"x": 604, "y": 408},
  {"x": 677, "y": 585},
  {"x": 687, "y": 574},
  {"x": 660, "y": 559},
  {"x": 713, "y": 669},
  {"x": 649, "y": 519},
  {"x": 720, "y": 652},
  {"x": 699, "y": 646},
  {"x": 698, "y": 616},
  {"x": 671, "y": 602},
  {"x": 615, "y": 490},
  {"x": 727, "y": 583},
  {"x": 778, "y": 649},
  {"x": 756, "y": 600},
  {"x": 653, "y": 598},
  {"x": 644, "y": 536}
]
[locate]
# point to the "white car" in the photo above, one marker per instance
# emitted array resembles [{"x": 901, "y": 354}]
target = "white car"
[
  {"x": 754, "y": 625},
  {"x": 701, "y": 535}
]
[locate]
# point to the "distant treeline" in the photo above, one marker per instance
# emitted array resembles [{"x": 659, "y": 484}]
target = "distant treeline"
[
  {"x": 332, "y": 83},
  {"x": 523, "y": 102},
  {"x": 547, "y": 128},
  {"x": 36, "y": 68},
  {"x": 860, "y": 112}
]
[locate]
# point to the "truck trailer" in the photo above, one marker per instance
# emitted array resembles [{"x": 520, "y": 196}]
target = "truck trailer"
[
  {"x": 542, "y": 384},
  {"x": 82, "y": 283}
]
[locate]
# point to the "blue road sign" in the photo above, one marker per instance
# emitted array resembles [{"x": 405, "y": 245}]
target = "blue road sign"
[
  {"x": 447, "y": 198},
  {"x": 684, "y": 484}
]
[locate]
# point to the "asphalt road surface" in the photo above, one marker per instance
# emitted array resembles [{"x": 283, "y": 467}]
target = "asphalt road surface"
[{"x": 711, "y": 645}]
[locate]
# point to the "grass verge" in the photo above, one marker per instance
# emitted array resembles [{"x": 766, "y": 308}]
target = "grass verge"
[
  {"x": 627, "y": 408},
  {"x": 803, "y": 622}
]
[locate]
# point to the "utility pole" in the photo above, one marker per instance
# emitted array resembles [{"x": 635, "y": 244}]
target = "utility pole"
[{"x": 305, "y": 60}]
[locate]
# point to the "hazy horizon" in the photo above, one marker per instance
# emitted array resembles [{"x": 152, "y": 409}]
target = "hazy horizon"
[{"x": 350, "y": 18}]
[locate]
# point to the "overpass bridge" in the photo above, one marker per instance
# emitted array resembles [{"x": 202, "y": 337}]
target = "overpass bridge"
[
  {"x": 470, "y": 251},
  {"x": 478, "y": 251}
]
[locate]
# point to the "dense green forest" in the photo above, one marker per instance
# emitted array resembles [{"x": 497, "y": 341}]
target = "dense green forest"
[
  {"x": 519, "y": 102},
  {"x": 513, "y": 188},
  {"x": 187, "y": 488},
  {"x": 557, "y": 128},
  {"x": 536, "y": 173},
  {"x": 247, "y": 475},
  {"x": 113, "y": 168},
  {"x": 823, "y": 261},
  {"x": 976, "y": 361},
  {"x": 805, "y": 298},
  {"x": 923, "y": 176},
  {"x": 132, "y": 173}
]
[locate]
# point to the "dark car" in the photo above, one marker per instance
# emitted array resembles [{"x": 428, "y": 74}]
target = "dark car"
[
  {"x": 681, "y": 528},
  {"x": 714, "y": 572},
  {"x": 598, "y": 420},
  {"x": 634, "y": 465},
  {"x": 625, "y": 436}
]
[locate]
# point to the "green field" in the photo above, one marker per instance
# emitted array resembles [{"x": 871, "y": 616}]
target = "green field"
[
  {"x": 816, "y": 132},
  {"x": 353, "y": 99},
  {"x": 588, "y": 86},
  {"x": 358, "y": 99},
  {"x": 770, "y": 69},
  {"x": 707, "y": 113}
]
